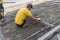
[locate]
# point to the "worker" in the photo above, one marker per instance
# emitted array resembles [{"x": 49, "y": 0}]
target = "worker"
[
  {"x": 22, "y": 14},
  {"x": 1, "y": 9}
]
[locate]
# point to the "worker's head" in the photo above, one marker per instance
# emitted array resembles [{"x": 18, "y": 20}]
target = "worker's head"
[{"x": 29, "y": 6}]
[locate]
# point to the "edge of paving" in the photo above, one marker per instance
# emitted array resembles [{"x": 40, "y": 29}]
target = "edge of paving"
[{"x": 49, "y": 34}]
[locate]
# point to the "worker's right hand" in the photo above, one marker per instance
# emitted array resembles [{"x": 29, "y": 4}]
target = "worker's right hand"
[{"x": 38, "y": 19}]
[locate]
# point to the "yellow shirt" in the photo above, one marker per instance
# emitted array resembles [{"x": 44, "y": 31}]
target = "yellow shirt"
[{"x": 21, "y": 15}]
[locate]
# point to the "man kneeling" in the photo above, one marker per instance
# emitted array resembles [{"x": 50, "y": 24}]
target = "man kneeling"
[{"x": 22, "y": 14}]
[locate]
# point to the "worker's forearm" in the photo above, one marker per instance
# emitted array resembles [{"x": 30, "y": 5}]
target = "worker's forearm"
[
  {"x": 2, "y": 13},
  {"x": 33, "y": 18}
]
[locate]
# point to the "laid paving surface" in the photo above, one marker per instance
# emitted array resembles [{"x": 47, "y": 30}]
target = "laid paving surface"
[{"x": 48, "y": 12}]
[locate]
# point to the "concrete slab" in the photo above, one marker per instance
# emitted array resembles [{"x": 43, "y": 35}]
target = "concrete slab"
[
  {"x": 45, "y": 37},
  {"x": 58, "y": 36}
]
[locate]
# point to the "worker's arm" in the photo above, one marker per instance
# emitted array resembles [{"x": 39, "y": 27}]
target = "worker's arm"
[
  {"x": 2, "y": 13},
  {"x": 33, "y": 18}
]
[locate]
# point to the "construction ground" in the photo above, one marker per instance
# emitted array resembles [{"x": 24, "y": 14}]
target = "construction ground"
[{"x": 47, "y": 11}]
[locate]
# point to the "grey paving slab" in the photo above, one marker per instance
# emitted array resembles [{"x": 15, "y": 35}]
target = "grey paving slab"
[{"x": 55, "y": 36}]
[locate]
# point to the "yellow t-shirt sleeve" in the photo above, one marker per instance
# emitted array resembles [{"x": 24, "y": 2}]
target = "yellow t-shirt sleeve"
[{"x": 28, "y": 13}]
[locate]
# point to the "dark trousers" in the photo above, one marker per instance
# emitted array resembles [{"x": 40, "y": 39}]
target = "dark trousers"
[{"x": 22, "y": 24}]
